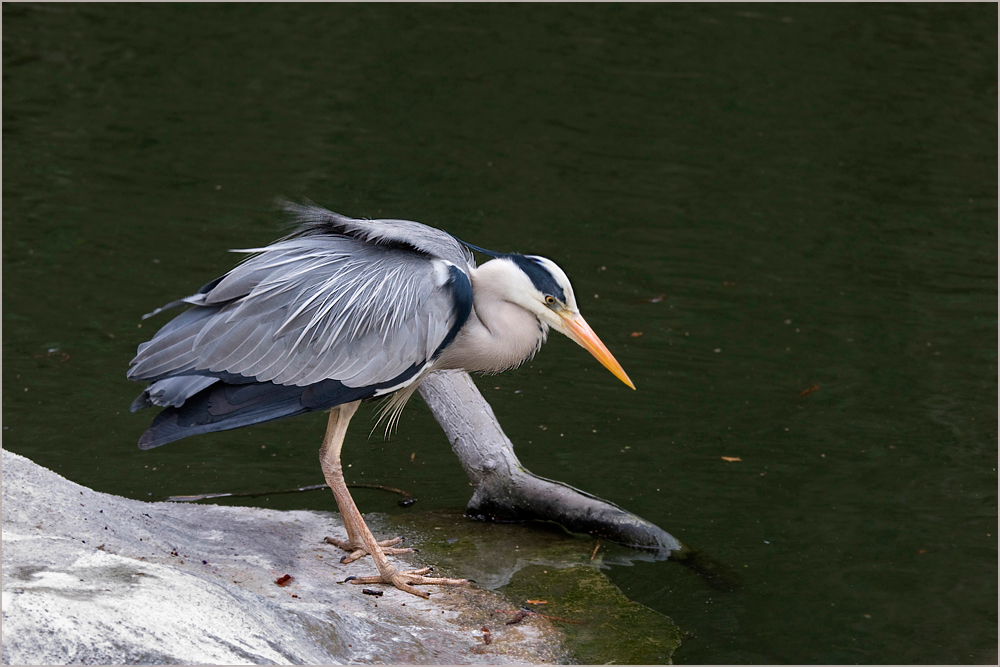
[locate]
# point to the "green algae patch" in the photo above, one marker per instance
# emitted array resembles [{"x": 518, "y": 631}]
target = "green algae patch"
[
  {"x": 528, "y": 563},
  {"x": 601, "y": 625}
]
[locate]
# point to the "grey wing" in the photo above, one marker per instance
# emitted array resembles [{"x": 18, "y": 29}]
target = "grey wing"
[
  {"x": 423, "y": 238},
  {"x": 313, "y": 308}
]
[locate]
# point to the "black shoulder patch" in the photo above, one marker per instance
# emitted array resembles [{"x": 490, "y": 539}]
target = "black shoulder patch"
[
  {"x": 540, "y": 277},
  {"x": 461, "y": 294}
]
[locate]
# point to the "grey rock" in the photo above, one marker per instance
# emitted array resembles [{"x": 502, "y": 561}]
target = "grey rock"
[{"x": 91, "y": 578}]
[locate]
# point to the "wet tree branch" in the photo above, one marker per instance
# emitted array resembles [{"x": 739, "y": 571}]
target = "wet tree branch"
[{"x": 506, "y": 491}]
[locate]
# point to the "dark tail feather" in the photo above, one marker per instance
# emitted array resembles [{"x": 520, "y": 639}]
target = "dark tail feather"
[{"x": 223, "y": 406}]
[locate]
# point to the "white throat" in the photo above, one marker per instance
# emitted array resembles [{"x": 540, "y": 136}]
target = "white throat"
[{"x": 502, "y": 331}]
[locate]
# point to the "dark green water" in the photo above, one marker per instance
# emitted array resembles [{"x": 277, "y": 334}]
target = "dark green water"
[{"x": 813, "y": 189}]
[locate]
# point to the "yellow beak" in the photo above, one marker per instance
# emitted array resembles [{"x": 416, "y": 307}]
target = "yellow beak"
[{"x": 577, "y": 330}]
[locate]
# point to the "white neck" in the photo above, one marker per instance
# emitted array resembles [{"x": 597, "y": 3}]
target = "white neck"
[{"x": 500, "y": 334}]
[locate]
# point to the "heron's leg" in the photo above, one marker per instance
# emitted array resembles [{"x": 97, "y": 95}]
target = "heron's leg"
[
  {"x": 359, "y": 537},
  {"x": 329, "y": 457}
]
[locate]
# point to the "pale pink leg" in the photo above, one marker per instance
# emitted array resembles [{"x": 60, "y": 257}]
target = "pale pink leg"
[{"x": 360, "y": 540}]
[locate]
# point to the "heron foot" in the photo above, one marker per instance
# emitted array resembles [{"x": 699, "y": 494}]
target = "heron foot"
[
  {"x": 404, "y": 581},
  {"x": 357, "y": 549}
]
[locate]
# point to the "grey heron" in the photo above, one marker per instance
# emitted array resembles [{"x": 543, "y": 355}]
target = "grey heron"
[{"x": 340, "y": 311}]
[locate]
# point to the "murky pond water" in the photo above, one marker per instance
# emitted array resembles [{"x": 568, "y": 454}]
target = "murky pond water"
[{"x": 781, "y": 219}]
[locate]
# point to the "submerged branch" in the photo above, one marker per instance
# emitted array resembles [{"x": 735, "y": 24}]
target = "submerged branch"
[{"x": 506, "y": 491}]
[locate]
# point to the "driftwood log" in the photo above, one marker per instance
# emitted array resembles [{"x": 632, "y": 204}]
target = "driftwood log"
[{"x": 505, "y": 491}]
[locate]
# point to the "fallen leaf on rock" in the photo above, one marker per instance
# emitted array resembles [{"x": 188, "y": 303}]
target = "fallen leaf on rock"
[
  {"x": 518, "y": 617},
  {"x": 284, "y": 580}
]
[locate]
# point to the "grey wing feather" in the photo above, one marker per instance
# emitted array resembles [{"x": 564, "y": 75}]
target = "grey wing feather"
[
  {"x": 434, "y": 242},
  {"x": 172, "y": 391},
  {"x": 313, "y": 307}
]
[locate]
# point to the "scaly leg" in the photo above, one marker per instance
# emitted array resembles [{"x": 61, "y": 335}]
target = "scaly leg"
[
  {"x": 329, "y": 458},
  {"x": 359, "y": 539}
]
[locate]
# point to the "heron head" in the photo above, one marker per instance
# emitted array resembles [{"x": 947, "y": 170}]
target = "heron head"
[{"x": 550, "y": 297}]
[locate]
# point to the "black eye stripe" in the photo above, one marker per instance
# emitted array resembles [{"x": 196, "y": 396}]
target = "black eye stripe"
[{"x": 540, "y": 277}]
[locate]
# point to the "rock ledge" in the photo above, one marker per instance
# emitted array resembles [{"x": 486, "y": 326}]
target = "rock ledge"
[{"x": 93, "y": 578}]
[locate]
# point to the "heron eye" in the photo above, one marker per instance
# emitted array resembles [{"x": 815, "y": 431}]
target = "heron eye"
[{"x": 550, "y": 300}]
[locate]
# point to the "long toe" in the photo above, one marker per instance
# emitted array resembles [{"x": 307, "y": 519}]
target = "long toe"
[
  {"x": 414, "y": 578},
  {"x": 392, "y": 542},
  {"x": 343, "y": 544},
  {"x": 353, "y": 556},
  {"x": 398, "y": 550},
  {"x": 405, "y": 581},
  {"x": 400, "y": 582},
  {"x": 359, "y": 551}
]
